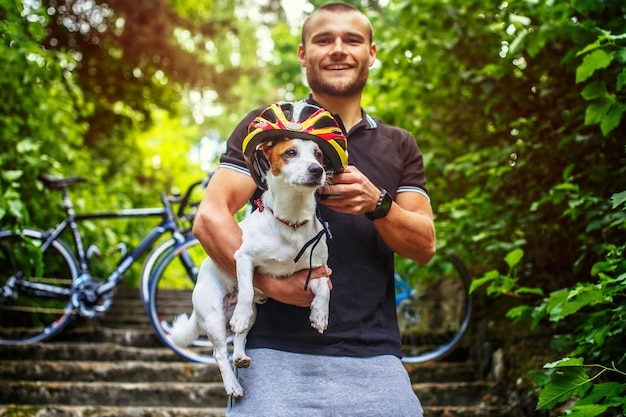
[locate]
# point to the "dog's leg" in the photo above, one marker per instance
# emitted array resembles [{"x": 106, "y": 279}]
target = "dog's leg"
[
  {"x": 208, "y": 304},
  {"x": 220, "y": 353},
  {"x": 241, "y": 321},
  {"x": 320, "y": 305},
  {"x": 240, "y": 359}
]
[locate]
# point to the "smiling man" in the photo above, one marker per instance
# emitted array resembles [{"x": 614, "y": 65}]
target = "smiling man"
[{"x": 377, "y": 206}]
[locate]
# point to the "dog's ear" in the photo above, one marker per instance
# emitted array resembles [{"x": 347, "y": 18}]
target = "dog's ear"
[
  {"x": 261, "y": 166},
  {"x": 265, "y": 146}
]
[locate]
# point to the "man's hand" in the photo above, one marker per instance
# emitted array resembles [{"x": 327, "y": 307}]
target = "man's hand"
[
  {"x": 290, "y": 290},
  {"x": 350, "y": 192}
]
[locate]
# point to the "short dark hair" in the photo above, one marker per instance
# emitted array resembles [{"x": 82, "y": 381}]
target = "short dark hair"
[{"x": 337, "y": 7}]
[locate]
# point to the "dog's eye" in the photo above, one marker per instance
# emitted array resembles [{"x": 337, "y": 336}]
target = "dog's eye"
[
  {"x": 290, "y": 153},
  {"x": 319, "y": 156}
]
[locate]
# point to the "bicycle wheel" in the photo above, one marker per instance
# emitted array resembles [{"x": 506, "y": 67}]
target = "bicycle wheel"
[
  {"x": 434, "y": 309},
  {"x": 169, "y": 295},
  {"x": 35, "y": 287},
  {"x": 149, "y": 268}
]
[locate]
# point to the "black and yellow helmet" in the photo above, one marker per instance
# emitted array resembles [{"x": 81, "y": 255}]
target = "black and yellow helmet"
[{"x": 296, "y": 120}]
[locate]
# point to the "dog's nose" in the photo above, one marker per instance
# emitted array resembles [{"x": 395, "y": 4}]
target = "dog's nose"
[{"x": 316, "y": 170}]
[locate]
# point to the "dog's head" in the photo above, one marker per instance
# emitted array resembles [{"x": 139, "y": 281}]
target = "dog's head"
[
  {"x": 297, "y": 162},
  {"x": 294, "y": 121}
]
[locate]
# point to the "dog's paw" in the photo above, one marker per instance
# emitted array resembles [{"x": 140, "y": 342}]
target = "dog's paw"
[
  {"x": 240, "y": 322},
  {"x": 242, "y": 361},
  {"x": 319, "y": 320},
  {"x": 234, "y": 389}
]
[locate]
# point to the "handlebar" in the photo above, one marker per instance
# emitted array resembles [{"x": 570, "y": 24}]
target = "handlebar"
[{"x": 185, "y": 199}]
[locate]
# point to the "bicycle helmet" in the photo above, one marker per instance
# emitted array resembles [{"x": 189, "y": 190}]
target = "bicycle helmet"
[{"x": 296, "y": 120}]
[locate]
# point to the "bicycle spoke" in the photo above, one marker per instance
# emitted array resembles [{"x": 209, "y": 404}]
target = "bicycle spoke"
[
  {"x": 35, "y": 302},
  {"x": 170, "y": 291}
]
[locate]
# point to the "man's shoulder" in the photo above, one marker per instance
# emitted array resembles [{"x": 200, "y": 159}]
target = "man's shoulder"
[{"x": 391, "y": 131}]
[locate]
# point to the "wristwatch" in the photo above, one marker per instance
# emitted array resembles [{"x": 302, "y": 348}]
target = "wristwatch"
[{"x": 383, "y": 206}]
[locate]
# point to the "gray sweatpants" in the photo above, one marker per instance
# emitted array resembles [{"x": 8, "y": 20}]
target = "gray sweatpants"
[{"x": 283, "y": 384}]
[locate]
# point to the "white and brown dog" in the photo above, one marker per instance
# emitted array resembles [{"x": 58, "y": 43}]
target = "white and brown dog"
[{"x": 273, "y": 237}]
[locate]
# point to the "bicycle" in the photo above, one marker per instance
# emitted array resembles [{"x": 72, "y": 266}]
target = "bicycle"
[
  {"x": 44, "y": 284},
  {"x": 434, "y": 311}
]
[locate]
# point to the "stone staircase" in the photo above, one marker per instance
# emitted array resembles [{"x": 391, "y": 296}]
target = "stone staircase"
[{"x": 115, "y": 366}]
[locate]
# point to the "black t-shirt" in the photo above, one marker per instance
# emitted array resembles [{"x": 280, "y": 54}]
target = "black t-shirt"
[{"x": 362, "y": 318}]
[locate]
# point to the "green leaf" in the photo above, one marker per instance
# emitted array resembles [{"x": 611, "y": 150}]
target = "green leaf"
[
  {"x": 555, "y": 303},
  {"x": 16, "y": 207},
  {"x": 529, "y": 290},
  {"x": 521, "y": 20},
  {"x": 590, "y": 410},
  {"x": 581, "y": 297},
  {"x": 612, "y": 119},
  {"x": 618, "y": 199},
  {"x": 565, "y": 382},
  {"x": 595, "y": 112},
  {"x": 594, "y": 90},
  {"x": 518, "y": 42},
  {"x": 488, "y": 277},
  {"x": 593, "y": 61},
  {"x": 514, "y": 257},
  {"x": 599, "y": 336},
  {"x": 621, "y": 80},
  {"x": 564, "y": 362},
  {"x": 518, "y": 313},
  {"x": 11, "y": 174},
  {"x": 606, "y": 390}
]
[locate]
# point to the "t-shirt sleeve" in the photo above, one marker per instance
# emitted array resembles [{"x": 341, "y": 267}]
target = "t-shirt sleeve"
[
  {"x": 233, "y": 156},
  {"x": 413, "y": 174}
]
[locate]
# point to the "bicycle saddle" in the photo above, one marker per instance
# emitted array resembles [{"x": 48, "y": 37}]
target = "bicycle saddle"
[{"x": 59, "y": 183}]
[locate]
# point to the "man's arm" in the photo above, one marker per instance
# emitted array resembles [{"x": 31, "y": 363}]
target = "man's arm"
[
  {"x": 408, "y": 228},
  {"x": 214, "y": 225},
  {"x": 220, "y": 236}
]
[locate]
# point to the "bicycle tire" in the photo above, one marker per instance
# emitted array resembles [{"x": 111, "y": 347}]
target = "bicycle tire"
[
  {"x": 437, "y": 313},
  {"x": 169, "y": 295},
  {"x": 149, "y": 267},
  {"x": 28, "y": 314}
]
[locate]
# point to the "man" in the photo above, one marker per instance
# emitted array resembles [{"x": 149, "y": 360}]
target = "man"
[{"x": 353, "y": 369}]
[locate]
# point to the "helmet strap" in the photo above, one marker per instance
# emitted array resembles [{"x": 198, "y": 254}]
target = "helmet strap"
[{"x": 314, "y": 241}]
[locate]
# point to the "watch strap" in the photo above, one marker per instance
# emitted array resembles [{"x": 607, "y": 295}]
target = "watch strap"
[{"x": 382, "y": 207}]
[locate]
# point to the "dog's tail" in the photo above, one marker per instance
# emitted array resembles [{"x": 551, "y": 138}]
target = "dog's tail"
[{"x": 184, "y": 330}]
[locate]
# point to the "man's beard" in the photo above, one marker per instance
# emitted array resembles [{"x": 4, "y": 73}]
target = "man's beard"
[{"x": 322, "y": 85}]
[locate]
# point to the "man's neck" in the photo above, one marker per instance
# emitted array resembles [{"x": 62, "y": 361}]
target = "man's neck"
[{"x": 348, "y": 108}]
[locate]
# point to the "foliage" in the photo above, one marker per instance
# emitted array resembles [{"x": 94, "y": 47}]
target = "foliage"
[
  {"x": 588, "y": 318},
  {"x": 488, "y": 88},
  {"x": 40, "y": 106},
  {"x": 519, "y": 108},
  {"x": 568, "y": 377}
]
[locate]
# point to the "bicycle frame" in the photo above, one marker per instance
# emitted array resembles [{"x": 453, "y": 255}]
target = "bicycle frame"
[
  {"x": 403, "y": 291},
  {"x": 168, "y": 224}
]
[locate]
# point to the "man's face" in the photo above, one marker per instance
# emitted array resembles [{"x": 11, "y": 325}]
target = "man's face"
[{"x": 337, "y": 53}]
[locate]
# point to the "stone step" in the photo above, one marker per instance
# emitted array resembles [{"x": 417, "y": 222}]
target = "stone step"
[
  {"x": 190, "y": 394},
  {"x": 469, "y": 411},
  {"x": 108, "y": 411},
  {"x": 116, "y": 366},
  {"x": 136, "y": 335},
  {"x": 69, "y": 360},
  {"x": 123, "y": 371},
  {"x": 79, "y": 351},
  {"x": 128, "y": 394},
  {"x": 133, "y": 370},
  {"x": 85, "y": 411},
  {"x": 453, "y": 393}
]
